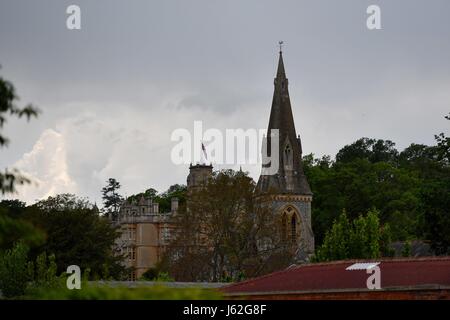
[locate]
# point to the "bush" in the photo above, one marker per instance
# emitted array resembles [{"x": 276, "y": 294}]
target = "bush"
[
  {"x": 14, "y": 271},
  {"x": 150, "y": 275},
  {"x": 43, "y": 272},
  {"x": 363, "y": 238}
]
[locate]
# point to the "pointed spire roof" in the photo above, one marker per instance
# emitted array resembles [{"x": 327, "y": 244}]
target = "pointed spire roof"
[
  {"x": 281, "y": 74},
  {"x": 281, "y": 113},
  {"x": 290, "y": 177}
]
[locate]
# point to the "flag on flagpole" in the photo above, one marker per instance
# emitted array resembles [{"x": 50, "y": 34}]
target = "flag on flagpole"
[{"x": 204, "y": 151}]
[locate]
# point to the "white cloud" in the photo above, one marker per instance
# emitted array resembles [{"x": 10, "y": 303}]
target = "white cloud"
[
  {"x": 46, "y": 166},
  {"x": 129, "y": 143}
]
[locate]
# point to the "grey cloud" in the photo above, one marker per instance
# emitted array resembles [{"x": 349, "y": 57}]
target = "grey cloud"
[{"x": 137, "y": 70}]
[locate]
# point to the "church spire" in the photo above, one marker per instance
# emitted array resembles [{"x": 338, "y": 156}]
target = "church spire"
[
  {"x": 281, "y": 74},
  {"x": 290, "y": 177}
]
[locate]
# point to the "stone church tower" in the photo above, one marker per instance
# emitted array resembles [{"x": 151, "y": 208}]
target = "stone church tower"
[
  {"x": 288, "y": 190},
  {"x": 198, "y": 175}
]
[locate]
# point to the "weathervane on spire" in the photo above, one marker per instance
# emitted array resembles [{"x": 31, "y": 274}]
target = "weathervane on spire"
[{"x": 280, "y": 43}]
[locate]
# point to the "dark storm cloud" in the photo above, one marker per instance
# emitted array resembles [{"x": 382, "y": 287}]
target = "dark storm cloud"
[{"x": 112, "y": 92}]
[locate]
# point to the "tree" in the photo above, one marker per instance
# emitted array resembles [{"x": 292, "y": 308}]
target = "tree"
[
  {"x": 14, "y": 230},
  {"x": 443, "y": 146},
  {"x": 178, "y": 191},
  {"x": 436, "y": 207},
  {"x": 224, "y": 231},
  {"x": 164, "y": 199},
  {"x": 360, "y": 239},
  {"x": 8, "y": 97},
  {"x": 336, "y": 243},
  {"x": 435, "y": 193},
  {"x": 76, "y": 234},
  {"x": 111, "y": 199},
  {"x": 357, "y": 186},
  {"x": 371, "y": 149},
  {"x": 62, "y": 202},
  {"x": 14, "y": 275}
]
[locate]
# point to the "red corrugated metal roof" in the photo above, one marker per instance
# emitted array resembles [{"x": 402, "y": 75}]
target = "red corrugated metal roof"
[{"x": 334, "y": 276}]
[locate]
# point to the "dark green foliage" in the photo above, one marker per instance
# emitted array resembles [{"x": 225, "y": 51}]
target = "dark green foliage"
[
  {"x": 111, "y": 198},
  {"x": 45, "y": 271},
  {"x": 443, "y": 146},
  {"x": 150, "y": 275},
  {"x": 358, "y": 186},
  {"x": 406, "y": 250},
  {"x": 370, "y": 149},
  {"x": 155, "y": 274},
  {"x": 13, "y": 230},
  {"x": 14, "y": 272},
  {"x": 76, "y": 234},
  {"x": 64, "y": 201},
  {"x": 8, "y": 107},
  {"x": 13, "y": 208},
  {"x": 411, "y": 189},
  {"x": 174, "y": 191},
  {"x": 163, "y": 199},
  {"x": 360, "y": 239},
  {"x": 67, "y": 227},
  {"x": 436, "y": 216}
]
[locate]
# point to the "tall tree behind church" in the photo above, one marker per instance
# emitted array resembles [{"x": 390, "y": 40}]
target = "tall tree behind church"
[{"x": 111, "y": 198}]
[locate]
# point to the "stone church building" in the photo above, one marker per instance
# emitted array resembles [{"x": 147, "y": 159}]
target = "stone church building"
[
  {"x": 288, "y": 190},
  {"x": 146, "y": 231}
]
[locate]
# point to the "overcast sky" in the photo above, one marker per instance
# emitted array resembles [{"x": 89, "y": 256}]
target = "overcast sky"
[{"x": 112, "y": 93}]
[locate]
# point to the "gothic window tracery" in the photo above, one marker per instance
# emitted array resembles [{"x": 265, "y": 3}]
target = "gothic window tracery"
[{"x": 289, "y": 225}]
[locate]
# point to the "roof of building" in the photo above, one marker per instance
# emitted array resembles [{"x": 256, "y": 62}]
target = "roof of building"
[
  {"x": 417, "y": 248},
  {"x": 333, "y": 276}
]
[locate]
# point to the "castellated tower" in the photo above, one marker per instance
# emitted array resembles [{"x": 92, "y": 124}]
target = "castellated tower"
[
  {"x": 198, "y": 175},
  {"x": 288, "y": 190}
]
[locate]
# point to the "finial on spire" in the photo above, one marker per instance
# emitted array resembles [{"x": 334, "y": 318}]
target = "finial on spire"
[
  {"x": 280, "y": 72},
  {"x": 280, "y": 43}
]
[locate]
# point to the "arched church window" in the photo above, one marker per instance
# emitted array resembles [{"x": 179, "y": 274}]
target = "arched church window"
[
  {"x": 283, "y": 227},
  {"x": 289, "y": 224},
  {"x": 293, "y": 228}
]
